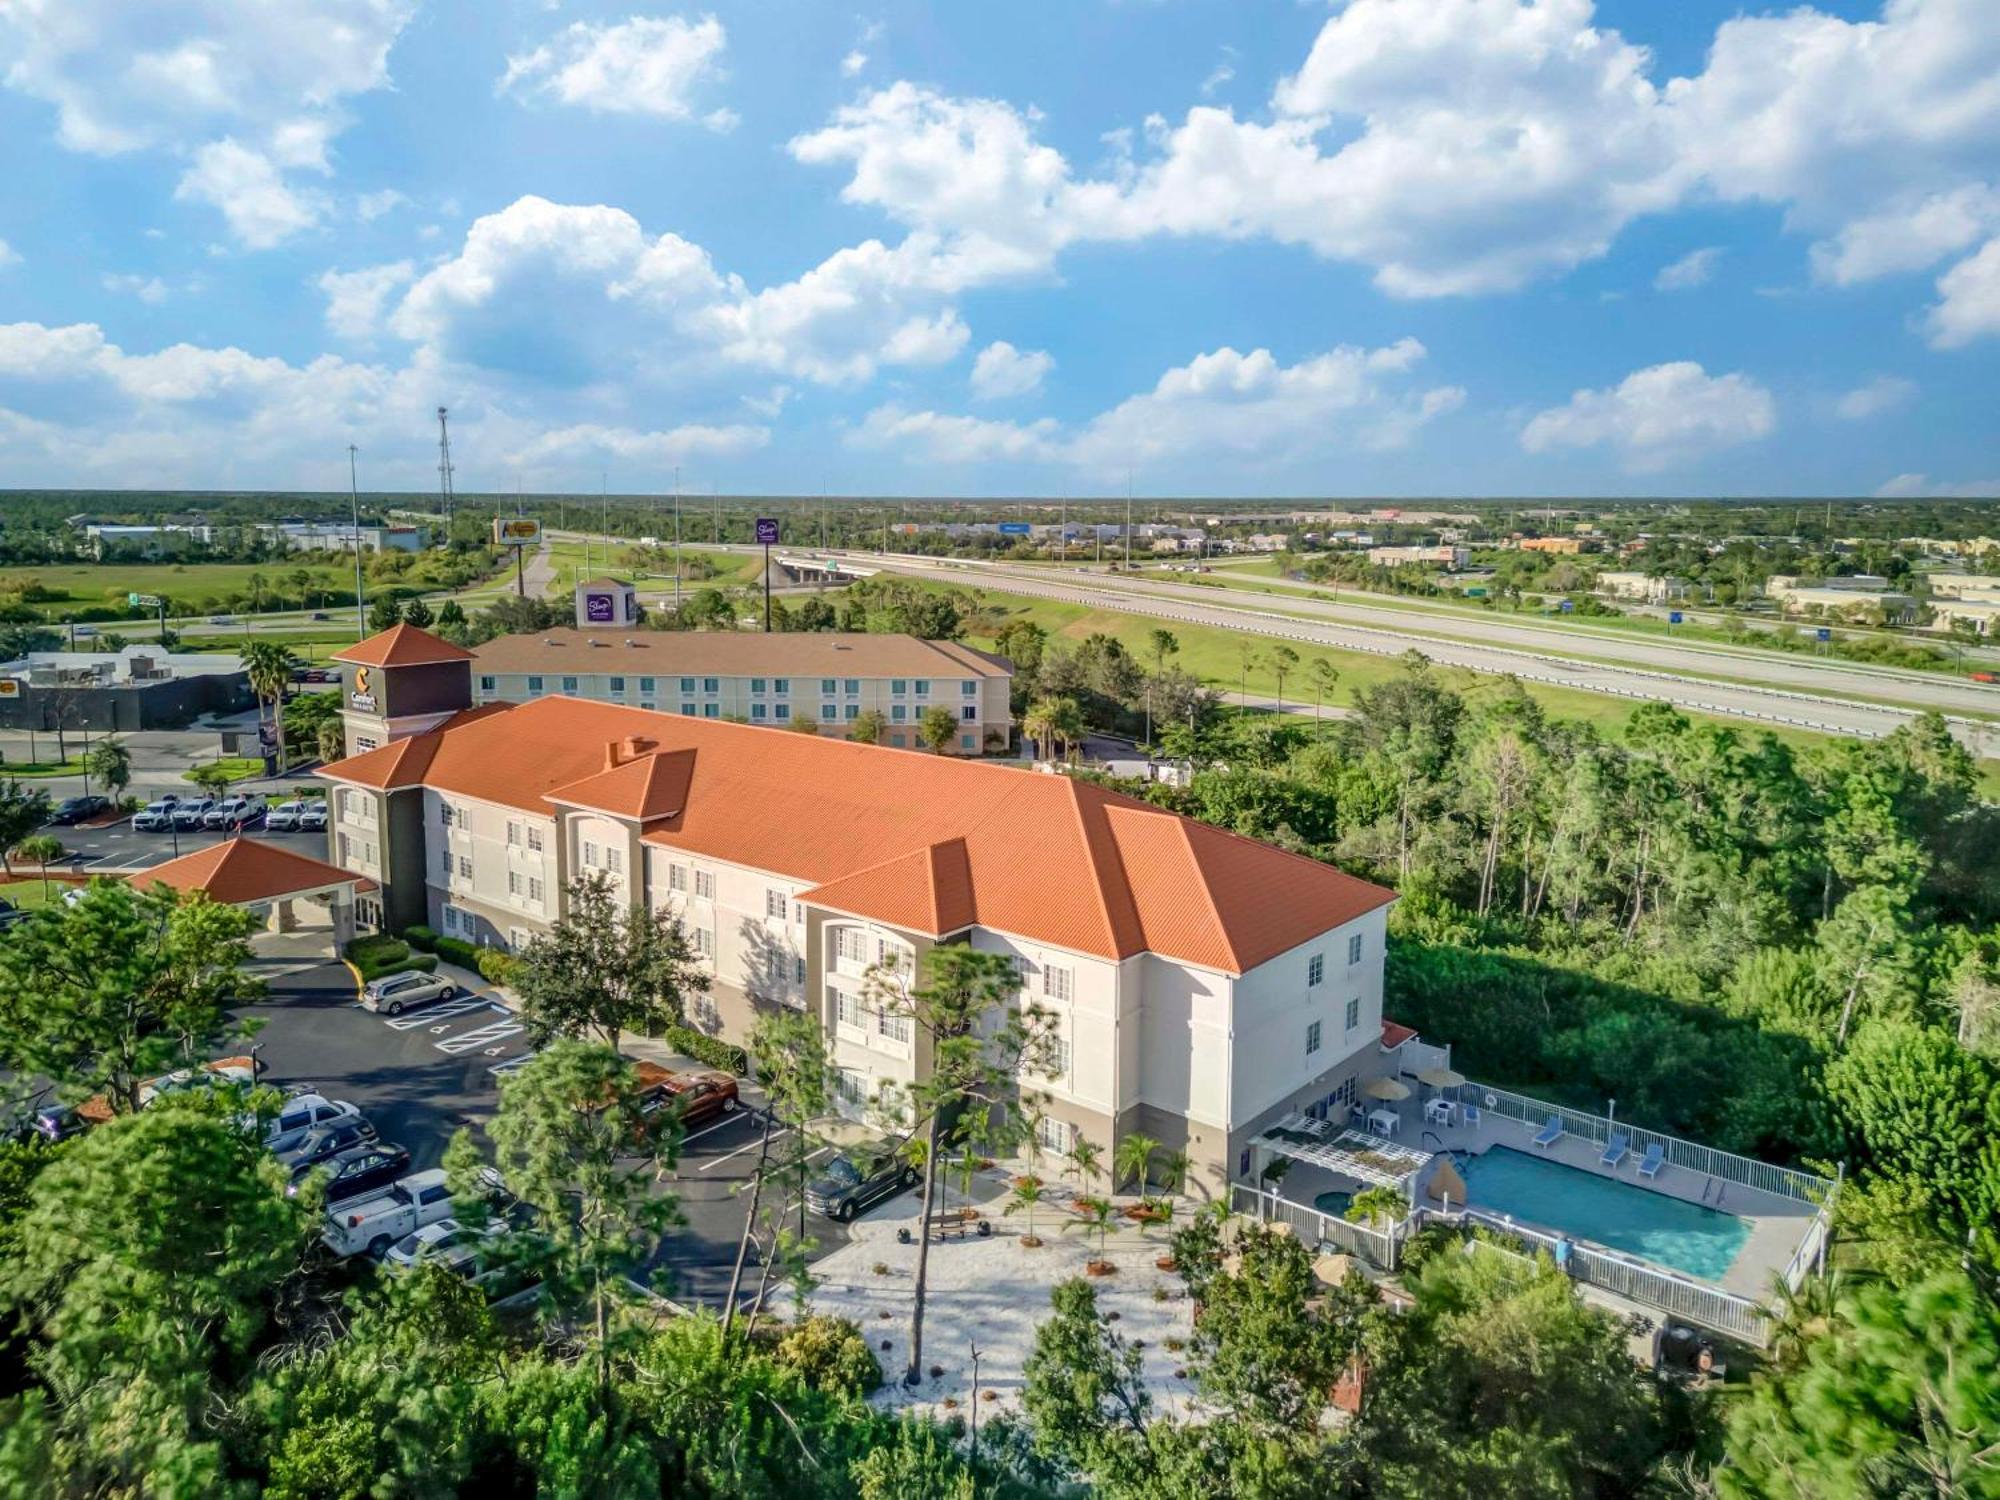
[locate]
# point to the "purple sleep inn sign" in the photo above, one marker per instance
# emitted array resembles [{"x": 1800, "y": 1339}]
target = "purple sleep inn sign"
[
  {"x": 600, "y": 609},
  {"x": 767, "y": 531}
]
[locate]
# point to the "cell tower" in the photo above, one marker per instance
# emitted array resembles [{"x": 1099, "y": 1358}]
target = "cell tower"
[{"x": 444, "y": 467}]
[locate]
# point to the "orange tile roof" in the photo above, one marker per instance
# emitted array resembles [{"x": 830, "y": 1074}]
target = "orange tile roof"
[
  {"x": 651, "y": 786},
  {"x": 240, "y": 870},
  {"x": 1394, "y": 1034},
  {"x": 931, "y": 843},
  {"x": 734, "y": 653},
  {"x": 402, "y": 646}
]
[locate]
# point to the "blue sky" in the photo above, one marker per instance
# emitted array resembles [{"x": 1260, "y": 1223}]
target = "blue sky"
[{"x": 1388, "y": 247}]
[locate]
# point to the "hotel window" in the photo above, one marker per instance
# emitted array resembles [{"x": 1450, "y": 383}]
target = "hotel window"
[
  {"x": 896, "y": 1028},
  {"x": 569, "y": 686},
  {"x": 1054, "y": 1135},
  {"x": 1024, "y": 970},
  {"x": 847, "y": 1009},
  {"x": 967, "y": 742},
  {"x": 704, "y": 943},
  {"x": 590, "y": 852},
  {"x": 464, "y": 867},
  {"x": 782, "y": 686},
  {"x": 687, "y": 684},
  {"x": 535, "y": 890},
  {"x": 1312, "y": 1039},
  {"x": 1354, "y": 949},
  {"x": 851, "y": 1086},
  {"x": 1059, "y": 983},
  {"x": 758, "y": 711},
  {"x": 444, "y": 864},
  {"x": 614, "y": 860},
  {"x": 1058, "y": 1058},
  {"x": 1353, "y": 1014},
  {"x": 704, "y": 884},
  {"x": 346, "y": 850},
  {"x": 776, "y": 903},
  {"x": 1315, "y": 969},
  {"x": 899, "y": 686},
  {"x": 711, "y": 710},
  {"x": 451, "y": 919},
  {"x": 851, "y": 944},
  {"x": 711, "y": 684},
  {"x": 784, "y": 711},
  {"x": 688, "y": 709},
  {"x": 534, "y": 838},
  {"x": 677, "y": 877},
  {"x": 645, "y": 684},
  {"x": 922, "y": 686},
  {"x": 798, "y": 968},
  {"x": 487, "y": 684},
  {"x": 968, "y": 690},
  {"x": 853, "y": 711},
  {"x": 617, "y": 684},
  {"x": 896, "y": 740},
  {"x": 853, "y": 686},
  {"x": 518, "y": 938},
  {"x": 534, "y": 684},
  {"x": 363, "y": 743},
  {"x": 513, "y": 834},
  {"x": 756, "y": 684},
  {"x": 447, "y": 814},
  {"x": 513, "y": 882},
  {"x": 969, "y": 713},
  {"x": 829, "y": 711},
  {"x": 829, "y": 685},
  {"x": 899, "y": 712}
]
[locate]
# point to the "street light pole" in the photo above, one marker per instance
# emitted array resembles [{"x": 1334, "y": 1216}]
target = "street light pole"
[{"x": 354, "y": 500}]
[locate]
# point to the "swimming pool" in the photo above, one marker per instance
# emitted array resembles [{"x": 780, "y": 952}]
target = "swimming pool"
[{"x": 1685, "y": 1237}]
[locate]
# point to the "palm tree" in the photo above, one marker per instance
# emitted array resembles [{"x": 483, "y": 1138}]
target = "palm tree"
[
  {"x": 1324, "y": 676},
  {"x": 1083, "y": 1159},
  {"x": 270, "y": 667},
  {"x": 1376, "y": 1205},
  {"x": 1095, "y": 1215},
  {"x": 1175, "y": 1169},
  {"x": 1164, "y": 645},
  {"x": 44, "y": 849},
  {"x": 302, "y": 580},
  {"x": 1039, "y": 725},
  {"x": 258, "y": 583},
  {"x": 1134, "y": 1159},
  {"x": 1283, "y": 659},
  {"x": 1029, "y": 1193},
  {"x": 1248, "y": 656},
  {"x": 1069, "y": 726}
]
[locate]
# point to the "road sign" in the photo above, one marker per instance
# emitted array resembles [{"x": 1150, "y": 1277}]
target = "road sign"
[
  {"x": 1015, "y": 528},
  {"x": 1823, "y": 634},
  {"x": 1673, "y": 617},
  {"x": 143, "y": 601},
  {"x": 1567, "y": 606},
  {"x": 767, "y": 531},
  {"x": 516, "y": 531}
]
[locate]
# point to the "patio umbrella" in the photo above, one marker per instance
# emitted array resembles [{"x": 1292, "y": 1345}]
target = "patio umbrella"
[
  {"x": 1385, "y": 1089},
  {"x": 1331, "y": 1270},
  {"x": 1441, "y": 1078}
]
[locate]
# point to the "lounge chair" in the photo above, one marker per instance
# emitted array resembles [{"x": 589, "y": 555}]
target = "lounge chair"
[
  {"x": 1550, "y": 1133},
  {"x": 1655, "y": 1159},
  {"x": 1470, "y": 1114},
  {"x": 1616, "y": 1149}
]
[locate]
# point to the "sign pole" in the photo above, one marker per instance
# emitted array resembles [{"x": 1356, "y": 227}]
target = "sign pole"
[{"x": 767, "y": 533}]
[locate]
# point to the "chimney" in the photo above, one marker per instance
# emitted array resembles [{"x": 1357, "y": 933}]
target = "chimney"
[{"x": 622, "y": 752}]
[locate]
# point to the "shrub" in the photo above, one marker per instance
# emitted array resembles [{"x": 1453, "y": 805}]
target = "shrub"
[
  {"x": 496, "y": 967},
  {"x": 376, "y": 957},
  {"x": 420, "y": 936},
  {"x": 707, "y": 1049},
  {"x": 830, "y": 1355}
]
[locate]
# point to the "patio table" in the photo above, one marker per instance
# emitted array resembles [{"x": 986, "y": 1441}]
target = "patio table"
[
  {"x": 1440, "y": 1111},
  {"x": 1384, "y": 1121}
]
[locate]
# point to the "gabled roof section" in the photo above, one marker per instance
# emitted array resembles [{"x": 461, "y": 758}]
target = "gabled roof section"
[
  {"x": 928, "y": 890},
  {"x": 241, "y": 870},
  {"x": 402, "y": 645},
  {"x": 653, "y": 786},
  {"x": 399, "y": 763}
]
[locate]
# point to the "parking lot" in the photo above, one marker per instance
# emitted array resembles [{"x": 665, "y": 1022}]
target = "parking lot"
[
  {"x": 420, "y": 1076},
  {"x": 119, "y": 846}
]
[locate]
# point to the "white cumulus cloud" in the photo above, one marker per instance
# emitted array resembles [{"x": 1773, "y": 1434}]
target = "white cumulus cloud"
[
  {"x": 1690, "y": 271},
  {"x": 1001, "y": 371},
  {"x": 355, "y": 299},
  {"x": 1968, "y": 305},
  {"x": 1884, "y": 393},
  {"x": 1922, "y": 487},
  {"x": 1658, "y": 415},
  {"x": 260, "y": 206},
  {"x": 644, "y": 66}
]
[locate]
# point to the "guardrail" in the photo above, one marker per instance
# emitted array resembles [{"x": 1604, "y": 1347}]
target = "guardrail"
[
  {"x": 1785, "y": 1182},
  {"x": 1380, "y": 1248}
]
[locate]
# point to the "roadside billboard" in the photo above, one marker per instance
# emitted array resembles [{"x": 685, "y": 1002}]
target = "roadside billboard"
[
  {"x": 516, "y": 531},
  {"x": 767, "y": 531}
]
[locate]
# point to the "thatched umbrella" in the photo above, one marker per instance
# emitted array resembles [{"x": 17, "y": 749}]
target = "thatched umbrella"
[{"x": 1386, "y": 1089}]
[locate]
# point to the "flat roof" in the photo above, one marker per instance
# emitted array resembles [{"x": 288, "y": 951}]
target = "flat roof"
[{"x": 739, "y": 653}]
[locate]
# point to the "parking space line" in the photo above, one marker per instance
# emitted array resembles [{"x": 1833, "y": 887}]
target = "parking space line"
[
  {"x": 750, "y": 1145},
  {"x": 520, "y": 1061},
  {"x": 450, "y": 1010},
  {"x": 469, "y": 1041}
]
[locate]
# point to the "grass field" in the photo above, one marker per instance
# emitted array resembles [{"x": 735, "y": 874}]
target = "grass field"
[
  {"x": 105, "y": 585},
  {"x": 29, "y": 895},
  {"x": 573, "y": 561}
]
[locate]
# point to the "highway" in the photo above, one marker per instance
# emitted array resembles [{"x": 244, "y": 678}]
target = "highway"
[{"x": 1522, "y": 651}]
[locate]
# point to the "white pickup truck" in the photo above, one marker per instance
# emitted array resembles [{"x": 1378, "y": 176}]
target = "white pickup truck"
[{"x": 374, "y": 1224}]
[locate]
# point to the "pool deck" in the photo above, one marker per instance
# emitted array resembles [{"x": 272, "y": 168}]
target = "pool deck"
[{"x": 1777, "y": 1223}]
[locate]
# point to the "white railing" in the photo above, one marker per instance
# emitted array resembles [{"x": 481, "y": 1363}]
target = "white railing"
[
  {"x": 1725, "y": 1166},
  {"x": 1810, "y": 1248},
  {"x": 1420, "y": 1057},
  {"x": 1649, "y": 1286},
  {"x": 1380, "y": 1248}
]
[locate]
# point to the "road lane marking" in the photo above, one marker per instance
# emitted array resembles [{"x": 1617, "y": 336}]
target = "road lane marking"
[
  {"x": 750, "y": 1145},
  {"x": 483, "y": 1036},
  {"x": 512, "y": 1063},
  {"x": 449, "y": 1010}
]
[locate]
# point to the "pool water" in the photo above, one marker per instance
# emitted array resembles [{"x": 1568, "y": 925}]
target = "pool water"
[
  {"x": 1334, "y": 1202},
  {"x": 1685, "y": 1237}
]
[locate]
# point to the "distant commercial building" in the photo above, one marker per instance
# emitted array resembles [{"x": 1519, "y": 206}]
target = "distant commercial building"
[
  {"x": 1562, "y": 546},
  {"x": 1643, "y": 587},
  {"x": 1980, "y": 614},
  {"x": 1978, "y": 586},
  {"x": 341, "y": 536},
  {"x": 831, "y": 678},
  {"x": 141, "y": 687},
  {"x": 166, "y": 539},
  {"x": 1859, "y": 597},
  {"x": 1442, "y": 557}
]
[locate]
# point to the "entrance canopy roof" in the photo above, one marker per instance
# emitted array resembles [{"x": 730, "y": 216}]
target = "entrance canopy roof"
[
  {"x": 1366, "y": 1158},
  {"x": 242, "y": 872}
]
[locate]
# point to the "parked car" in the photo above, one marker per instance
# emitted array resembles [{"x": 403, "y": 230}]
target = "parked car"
[
  {"x": 859, "y": 1179},
  {"x": 237, "y": 810},
  {"x": 312, "y": 818},
  {"x": 188, "y": 815},
  {"x": 283, "y": 817},
  {"x": 224, "y": 1072},
  {"x": 10, "y": 914},
  {"x": 318, "y": 614},
  {"x": 156, "y": 816},
  {"x": 218, "y": 619},
  {"x": 693, "y": 1098},
  {"x": 324, "y": 1142},
  {"x": 355, "y": 1174},
  {"x": 374, "y": 1224},
  {"x": 73, "y": 810},
  {"x": 301, "y": 1114},
  {"x": 463, "y": 1250},
  {"x": 58, "y": 1122},
  {"x": 395, "y": 993}
]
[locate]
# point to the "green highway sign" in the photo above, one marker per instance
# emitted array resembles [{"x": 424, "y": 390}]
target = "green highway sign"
[{"x": 143, "y": 601}]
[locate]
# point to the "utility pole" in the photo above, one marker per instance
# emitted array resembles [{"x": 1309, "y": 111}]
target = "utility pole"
[
  {"x": 444, "y": 472},
  {"x": 677, "y": 536},
  {"x": 354, "y": 499},
  {"x": 604, "y": 513},
  {"x": 1128, "y": 520}
]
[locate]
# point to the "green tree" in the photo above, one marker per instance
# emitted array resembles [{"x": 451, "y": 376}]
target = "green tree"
[
  {"x": 1283, "y": 661},
  {"x": 270, "y": 665},
  {"x": 795, "y": 1070},
  {"x": 605, "y": 967},
  {"x": 1376, "y": 1207},
  {"x": 1083, "y": 1160},
  {"x": 916, "y": 1462},
  {"x": 866, "y": 727},
  {"x": 417, "y": 613},
  {"x": 1028, "y": 1194},
  {"x": 385, "y": 612},
  {"x": 1133, "y": 1159},
  {"x": 451, "y": 622},
  {"x": 1324, "y": 675},
  {"x": 1898, "y": 1396},
  {"x": 145, "y": 1262},
  {"x": 21, "y": 813},
  {"x": 110, "y": 761},
  {"x": 211, "y": 777},
  {"x": 1098, "y": 1216},
  {"x": 572, "y": 1141},
  {"x": 120, "y": 987},
  {"x": 1085, "y": 1392},
  {"x": 967, "y": 1014},
  {"x": 43, "y": 849},
  {"x": 937, "y": 729}
]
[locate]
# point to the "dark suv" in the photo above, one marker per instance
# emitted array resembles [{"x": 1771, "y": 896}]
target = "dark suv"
[
  {"x": 855, "y": 1180},
  {"x": 360, "y": 1172}
]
